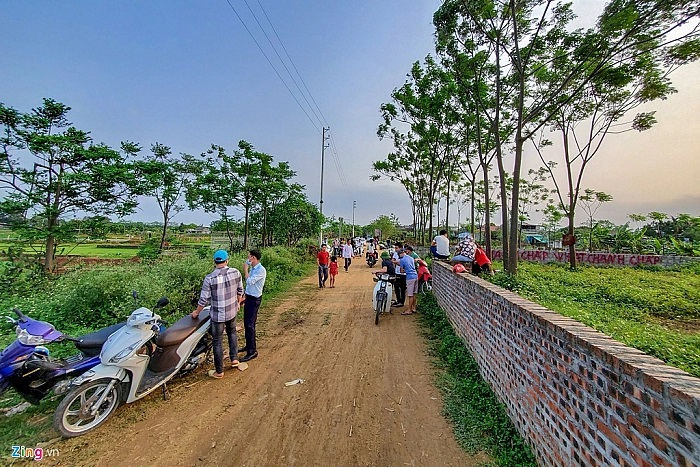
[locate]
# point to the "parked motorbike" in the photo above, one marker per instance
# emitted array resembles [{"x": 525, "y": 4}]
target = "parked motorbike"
[
  {"x": 27, "y": 366},
  {"x": 381, "y": 297},
  {"x": 135, "y": 361}
]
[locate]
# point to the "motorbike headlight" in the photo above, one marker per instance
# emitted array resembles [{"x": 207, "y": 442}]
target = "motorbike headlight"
[
  {"x": 124, "y": 353},
  {"x": 29, "y": 339}
]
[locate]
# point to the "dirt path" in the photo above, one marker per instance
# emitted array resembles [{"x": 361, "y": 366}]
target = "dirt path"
[{"x": 368, "y": 397}]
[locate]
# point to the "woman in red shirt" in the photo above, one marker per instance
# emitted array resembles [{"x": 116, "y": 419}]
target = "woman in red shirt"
[{"x": 481, "y": 262}]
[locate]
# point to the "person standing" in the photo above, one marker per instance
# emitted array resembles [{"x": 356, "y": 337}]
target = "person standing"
[
  {"x": 333, "y": 269},
  {"x": 223, "y": 290},
  {"x": 408, "y": 267},
  {"x": 400, "y": 282},
  {"x": 347, "y": 254},
  {"x": 254, "y": 283},
  {"x": 323, "y": 258}
]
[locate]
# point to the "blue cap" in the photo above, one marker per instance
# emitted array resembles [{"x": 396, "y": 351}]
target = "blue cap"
[{"x": 220, "y": 256}]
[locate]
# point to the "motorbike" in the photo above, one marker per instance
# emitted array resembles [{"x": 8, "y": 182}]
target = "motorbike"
[
  {"x": 381, "y": 298},
  {"x": 27, "y": 366},
  {"x": 371, "y": 259},
  {"x": 136, "y": 360},
  {"x": 425, "y": 279}
]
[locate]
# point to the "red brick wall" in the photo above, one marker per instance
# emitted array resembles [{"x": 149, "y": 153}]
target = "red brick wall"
[{"x": 577, "y": 396}]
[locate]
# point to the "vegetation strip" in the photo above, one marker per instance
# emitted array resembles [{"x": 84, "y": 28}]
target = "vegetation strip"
[
  {"x": 651, "y": 309},
  {"x": 480, "y": 421}
]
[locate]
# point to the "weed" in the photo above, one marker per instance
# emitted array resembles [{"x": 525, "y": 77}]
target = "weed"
[{"x": 479, "y": 419}]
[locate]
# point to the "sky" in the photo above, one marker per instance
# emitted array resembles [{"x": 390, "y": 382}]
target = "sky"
[{"x": 188, "y": 75}]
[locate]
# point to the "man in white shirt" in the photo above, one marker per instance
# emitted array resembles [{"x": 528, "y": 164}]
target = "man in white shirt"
[
  {"x": 440, "y": 247},
  {"x": 347, "y": 254}
]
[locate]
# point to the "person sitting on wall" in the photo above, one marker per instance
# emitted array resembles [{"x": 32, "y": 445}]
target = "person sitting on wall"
[
  {"x": 440, "y": 246},
  {"x": 465, "y": 250},
  {"x": 481, "y": 262}
]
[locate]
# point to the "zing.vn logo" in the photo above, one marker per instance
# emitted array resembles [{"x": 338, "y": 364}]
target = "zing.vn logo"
[{"x": 33, "y": 453}]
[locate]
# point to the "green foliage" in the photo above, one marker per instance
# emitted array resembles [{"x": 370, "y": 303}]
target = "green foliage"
[
  {"x": 50, "y": 169},
  {"x": 480, "y": 420},
  {"x": 654, "y": 310},
  {"x": 150, "y": 250}
]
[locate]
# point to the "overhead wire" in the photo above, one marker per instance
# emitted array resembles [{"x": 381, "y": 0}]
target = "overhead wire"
[
  {"x": 282, "y": 61},
  {"x": 322, "y": 119},
  {"x": 293, "y": 65},
  {"x": 273, "y": 67}
]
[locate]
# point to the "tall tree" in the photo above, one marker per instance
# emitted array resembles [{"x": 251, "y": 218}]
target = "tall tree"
[
  {"x": 591, "y": 201},
  {"x": 164, "y": 178},
  {"x": 50, "y": 169}
]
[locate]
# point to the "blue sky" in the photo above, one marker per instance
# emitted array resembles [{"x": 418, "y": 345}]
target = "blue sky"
[{"x": 187, "y": 74}]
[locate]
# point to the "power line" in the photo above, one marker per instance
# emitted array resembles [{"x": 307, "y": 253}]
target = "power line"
[
  {"x": 293, "y": 65},
  {"x": 282, "y": 61},
  {"x": 273, "y": 66}
]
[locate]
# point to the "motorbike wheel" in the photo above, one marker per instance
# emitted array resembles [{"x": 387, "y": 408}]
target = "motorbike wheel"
[
  {"x": 426, "y": 287},
  {"x": 72, "y": 417},
  {"x": 378, "y": 311}
]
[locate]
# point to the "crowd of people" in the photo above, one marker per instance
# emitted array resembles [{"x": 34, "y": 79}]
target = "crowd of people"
[{"x": 224, "y": 292}]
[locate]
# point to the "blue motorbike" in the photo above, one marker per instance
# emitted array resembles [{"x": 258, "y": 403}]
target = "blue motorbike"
[{"x": 27, "y": 367}]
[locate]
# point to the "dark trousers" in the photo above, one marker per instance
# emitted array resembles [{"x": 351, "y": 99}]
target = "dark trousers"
[
  {"x": 217, "y": 334},
  {"x": 400, "y": 287},
  {"x": 322, "y": 274},
  {"x": 250, "y": 316},
  {"x": 347, "y": 263}
]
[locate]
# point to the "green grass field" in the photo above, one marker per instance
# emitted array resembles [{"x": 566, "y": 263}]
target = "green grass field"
[{"x": 654, "y": 310}]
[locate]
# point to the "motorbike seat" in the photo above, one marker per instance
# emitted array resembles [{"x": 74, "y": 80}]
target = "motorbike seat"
[
  {"x": 182, "y": 329},
  {"x": 91, "y": 344}
]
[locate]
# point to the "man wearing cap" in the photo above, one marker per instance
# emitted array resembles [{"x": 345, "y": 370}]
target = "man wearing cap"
[{"x": 223, "y": 290}]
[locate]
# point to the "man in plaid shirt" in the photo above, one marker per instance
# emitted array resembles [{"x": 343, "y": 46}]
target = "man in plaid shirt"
[{"x": 223, "y": 289}]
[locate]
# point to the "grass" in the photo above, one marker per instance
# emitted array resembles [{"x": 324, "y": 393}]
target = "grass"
[
  {"x": 479, "y": 420},
  {"x": 651, "y": 309},
  {"x": 84, "y": 300}
]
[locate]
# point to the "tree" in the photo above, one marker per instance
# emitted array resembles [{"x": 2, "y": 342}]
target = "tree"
[
  {"x": 388, "y": 225},
  {"x": 591, "y": 201},
  {"x": 164, "y": 178},
  {"x": 530, "y": 44},
  {"x": 295, "y": 218},
  {"x": 50, "y": 169}
]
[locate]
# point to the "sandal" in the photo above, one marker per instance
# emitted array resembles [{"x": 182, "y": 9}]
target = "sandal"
[
  {"x": 406, "y": 313},
  {"x": 215, "y": 375},
  {"x": 235, "y": 363}
]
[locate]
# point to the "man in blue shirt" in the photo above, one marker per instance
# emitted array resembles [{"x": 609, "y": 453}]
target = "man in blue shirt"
[
  {"x": 408, "y": 266},
  {"x": 254, "y": 283}
]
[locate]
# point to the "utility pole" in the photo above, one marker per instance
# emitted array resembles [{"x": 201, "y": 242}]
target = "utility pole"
[
  {"x": 324, "y": 145},
  {"x": 340, "y": 227},
  {"x": 354, "y": 205}
]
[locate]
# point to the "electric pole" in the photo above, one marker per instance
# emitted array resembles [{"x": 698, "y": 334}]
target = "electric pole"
[
  {"x": 324, "y": 145},
  {"x": 354, "y": 204}
]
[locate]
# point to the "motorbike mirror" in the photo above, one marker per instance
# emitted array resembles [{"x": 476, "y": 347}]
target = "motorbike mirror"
[
  {"x": 22, "y": 316},
  {"x": 162, "y": 302},
  {"x": 134, "y": 294},
  {"x": 11, "y": 320}
]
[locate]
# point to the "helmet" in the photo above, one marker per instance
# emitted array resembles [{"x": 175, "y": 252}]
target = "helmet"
[
  {"x": 385, "y": 255},
  {"x": 457, "y": 268}
]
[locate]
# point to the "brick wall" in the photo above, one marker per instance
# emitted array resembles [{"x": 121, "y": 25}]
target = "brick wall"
[{"x": 577, "y": 396}]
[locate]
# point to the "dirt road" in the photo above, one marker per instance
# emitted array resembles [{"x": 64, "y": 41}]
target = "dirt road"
[{"x": 367, "y": 399}]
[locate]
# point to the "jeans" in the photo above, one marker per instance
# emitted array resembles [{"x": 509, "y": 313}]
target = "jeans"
[
  {"x": 217, "y": 334},
  {"x": 250, "y": 316},
  {"x": 322, "y": 274},
  {"x": 347, "y": 263},
  {"x": 462, "y": 258}
]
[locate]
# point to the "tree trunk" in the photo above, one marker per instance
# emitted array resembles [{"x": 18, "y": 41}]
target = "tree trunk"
[{"x": 572, "y": 247}]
